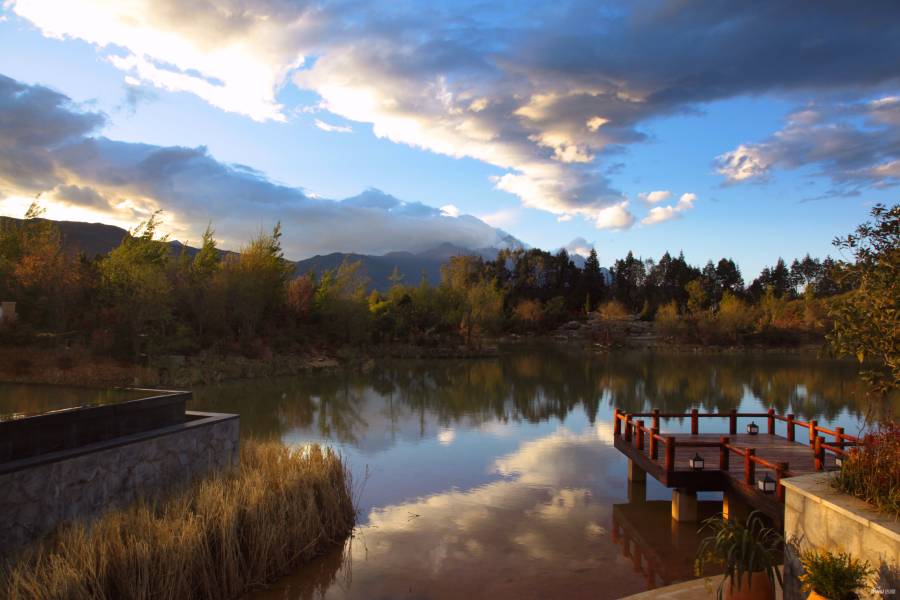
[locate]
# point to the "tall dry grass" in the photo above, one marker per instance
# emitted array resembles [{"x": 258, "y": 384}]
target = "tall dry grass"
[{"x": 217, "y": 539}]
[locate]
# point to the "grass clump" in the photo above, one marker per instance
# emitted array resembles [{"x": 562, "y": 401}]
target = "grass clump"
[
  {"x": 835, "y": 576},
  {"x": 217, "y": 539},
  {"x": 872, "y": 472}
]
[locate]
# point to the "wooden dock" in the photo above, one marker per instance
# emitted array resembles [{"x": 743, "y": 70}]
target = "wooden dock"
[{"x": 733, "y": 463}]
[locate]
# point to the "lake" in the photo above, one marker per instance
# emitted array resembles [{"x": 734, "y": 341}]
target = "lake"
[{"x": 498, "y": 478}]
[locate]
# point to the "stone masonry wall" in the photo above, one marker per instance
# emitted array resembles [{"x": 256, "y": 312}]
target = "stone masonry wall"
[
  {"x": 817, "y": 516},
  {"x": 37, "y": 494}
]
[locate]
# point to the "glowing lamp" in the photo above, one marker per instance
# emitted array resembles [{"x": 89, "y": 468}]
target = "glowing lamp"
[
  {"x": 752, "y": 428},
  {"x": 766, "y": 485},
  {"x": 696, "y": 463}
]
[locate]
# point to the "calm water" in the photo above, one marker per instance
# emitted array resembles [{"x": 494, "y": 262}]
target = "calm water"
[
  {"x": 497, "y": 478},
  {"x": 25, "y": 399}
]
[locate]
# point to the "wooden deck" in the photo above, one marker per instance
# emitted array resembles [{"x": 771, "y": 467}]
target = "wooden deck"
[{"x": 732, "y": 463}]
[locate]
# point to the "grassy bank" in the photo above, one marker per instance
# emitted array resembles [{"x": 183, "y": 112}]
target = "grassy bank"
[{"x": 217, "y": 539}]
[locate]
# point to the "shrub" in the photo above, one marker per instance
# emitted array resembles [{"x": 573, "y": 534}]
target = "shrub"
[
  {"x": 872, "y": 472},
  {"x": 613, "y": 311},
  {"x": 668, "y": 321},
  {"x": 735, "y": 317},
  {"x": 217, "y": 539},
  {"x": 529, "y": 314},
  {"x": 835, "y": 576}
]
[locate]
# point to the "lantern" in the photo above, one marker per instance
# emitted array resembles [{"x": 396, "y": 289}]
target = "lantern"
[
  {"x": 696, "y": 463},
  {"x": 838, "y": 461},
  {"x": 753, "y": 428},
  {"x": 766, "y": 485}
]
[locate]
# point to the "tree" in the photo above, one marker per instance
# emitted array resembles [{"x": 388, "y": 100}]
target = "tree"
[
  {"x": 136, "y": 289},
  {"x": 867, "y": 319}
]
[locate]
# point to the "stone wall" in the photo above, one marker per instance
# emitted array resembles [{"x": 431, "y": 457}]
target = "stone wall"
[
  {"x": 38, "y": 493},
  {"x": 817, "y": 516}
]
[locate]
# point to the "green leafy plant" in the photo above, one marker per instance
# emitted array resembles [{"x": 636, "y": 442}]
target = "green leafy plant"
[
  {"x": 741, "y": 548},
  {"x": 835, "y": 576},
  {"x": 872, "y": 473}
]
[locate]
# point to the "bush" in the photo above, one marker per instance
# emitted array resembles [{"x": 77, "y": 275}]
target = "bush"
[
  {"x": 613, "y": 311},
  {"x": 872, "y": 473},
  {"x": 668, "y": 321},
  {"x": 217, "y": 539},
  {"x": 529, "y": 314},
  {"x": 835, "y": 576}
]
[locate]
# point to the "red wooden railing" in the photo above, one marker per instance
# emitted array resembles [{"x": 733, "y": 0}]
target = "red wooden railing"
[{"x": 636, "y": 432}]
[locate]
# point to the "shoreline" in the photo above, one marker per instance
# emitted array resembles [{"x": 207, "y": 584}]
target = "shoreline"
[{"x": 78, "y": 368}]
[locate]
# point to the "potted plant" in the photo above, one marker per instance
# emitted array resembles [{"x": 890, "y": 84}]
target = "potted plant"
[
  {"x": 750, "y": 553},
  {"x": 830, "y": 576}
]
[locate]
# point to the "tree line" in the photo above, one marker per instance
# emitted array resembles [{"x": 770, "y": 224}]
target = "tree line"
[{"x": 142, "y": 298}]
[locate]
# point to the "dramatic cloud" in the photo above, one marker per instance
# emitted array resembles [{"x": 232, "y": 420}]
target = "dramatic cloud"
[
  {"x": 660, "y": 214},
  {"x": 332, "y": 128},
  {"x": 544, "y": 93},
  {"x": 855, "y": 144},
  {"x": 46, "y": 148}
]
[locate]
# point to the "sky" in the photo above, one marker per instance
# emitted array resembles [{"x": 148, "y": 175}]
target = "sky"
[{"x": 751, "y": 131}]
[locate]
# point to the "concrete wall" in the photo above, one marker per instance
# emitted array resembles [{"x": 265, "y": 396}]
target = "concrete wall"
[
  {"x": 815, "y": 515},
  {"x": 39, "y": 492}
]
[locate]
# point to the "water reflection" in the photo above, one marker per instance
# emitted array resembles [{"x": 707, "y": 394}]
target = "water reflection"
[
  {"x": 497, "y": 478},
  {"x": 25, "y": 399}
]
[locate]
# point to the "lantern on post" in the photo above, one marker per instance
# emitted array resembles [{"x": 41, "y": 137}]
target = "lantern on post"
[
  {"x": 752, "y": 428},
  {"x": 838, "y": 461},
  {"x": 696, "y": 463},
  {"x": 766, "y": 485}
]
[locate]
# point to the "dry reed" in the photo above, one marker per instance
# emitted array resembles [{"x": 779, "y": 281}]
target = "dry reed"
[{"x": 219, "y": 538}]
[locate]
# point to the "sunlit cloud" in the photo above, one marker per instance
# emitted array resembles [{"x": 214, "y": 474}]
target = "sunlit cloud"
[
  {"x": 616, "y": 216},
  {"x": 661, "y": 214},
  {"x": 655, "y": 197}
]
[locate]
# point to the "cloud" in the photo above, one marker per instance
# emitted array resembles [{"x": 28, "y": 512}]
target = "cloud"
[
  {"x": 579, "y": 245},
  {"x": 449, "y": 210},
  {"x": 616, "y": 216},
  {"x": 660, "y": 214},
  {"x": 655, "y": 197},
  {"x": 135, "y": 95},
  {"x": 47, "y": 147},
  {"x": 853, "y": 144},
  {"x": 333, "y": 128},
  {"x": 546, "y": 100}
]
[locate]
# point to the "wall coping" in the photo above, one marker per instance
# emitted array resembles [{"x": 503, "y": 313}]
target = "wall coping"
[
  {"x": 194, "y": 420},
  {"x": 817, "y": 488}
]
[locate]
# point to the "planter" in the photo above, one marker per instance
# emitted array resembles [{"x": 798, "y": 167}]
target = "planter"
[{"x": 756, "y": 587}]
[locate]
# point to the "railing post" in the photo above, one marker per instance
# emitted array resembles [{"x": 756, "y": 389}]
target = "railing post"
[
  {"x": 732, "y": 422},
  {"x": 670, "y": 454},
  {"x": 628, "y": 428},
  {"x": 724, "y": 453},
  {"x": 639, "y": 428},
  {"x": 779, "y": 473},
  {"x": 656, "y": 418},
  {"x": 654, "y": 443},
  {"x": 771, "y": 421},
  {"x": 812, "y": 431},
  {"x": 617, "y": 424},
  {"x": 749, "y": 466},
  {"x": 839, "y": 437},
  {"x": 790, "y": 428},
  {"x": 819, "y": 453},
  {"x": 695, "y": 422}
]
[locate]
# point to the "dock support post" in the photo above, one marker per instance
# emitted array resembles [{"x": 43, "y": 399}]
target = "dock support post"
[
  {"x": 771, "y": 421},
  {"x": 733, "y": 508},
  {"x": 819, "y": 453},
  {"x": 617, "y": 424},
  {"x": 813, "y": 424},
  {"x": 670, "y": 453},
  {"x": 839, "y": 437},
  {"x": 654, "y": 443},
  {"x": 790, "y": 428},
  {"x": 639, "y": 438},
  {"x": 724, "y": 453},
  {"x": 635, "y": 473},
  {"x": 628, "y": 428},
  {"x": 637, "y": 491},
  {"x": 695, "y": 423},
  {"x": 684, "y": 505},
  {"x": 749, "y": 467},
  {"x": 732, "y": 422},
  {"x": 656, "y": 418}
]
